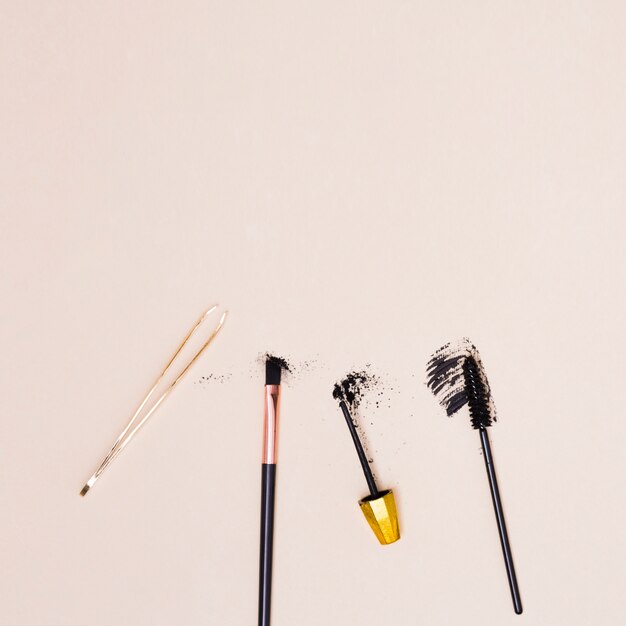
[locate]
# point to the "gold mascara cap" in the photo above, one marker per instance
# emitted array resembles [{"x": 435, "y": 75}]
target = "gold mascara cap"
[{"x": 382, "y": 516}]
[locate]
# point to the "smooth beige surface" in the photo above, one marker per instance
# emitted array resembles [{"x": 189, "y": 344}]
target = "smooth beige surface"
[{"x": 358, "y": 182}]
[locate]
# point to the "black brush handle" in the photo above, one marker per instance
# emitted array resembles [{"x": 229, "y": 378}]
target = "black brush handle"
[
  {"x": 365, "y": 466},
  {"x": 497, "y": 507},
  {"x": 267, "y": 542}
]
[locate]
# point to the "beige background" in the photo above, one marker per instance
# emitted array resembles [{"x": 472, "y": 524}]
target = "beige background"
[{"x": 358, "y": 182}]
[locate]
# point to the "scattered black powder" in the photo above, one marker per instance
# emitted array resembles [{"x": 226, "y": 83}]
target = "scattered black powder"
[
  {"x": 355, "y": 386},
  {"x": 213, "y": 378},
  {"x": 288, "y": 365},
  {"x": 306, "y": 366},
  {"x": 357, "y": 389}
]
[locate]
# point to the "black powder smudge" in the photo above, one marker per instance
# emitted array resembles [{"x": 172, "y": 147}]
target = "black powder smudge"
[
  {"x": 355, "y": 386},
  {"x": 353, "y": 389}
]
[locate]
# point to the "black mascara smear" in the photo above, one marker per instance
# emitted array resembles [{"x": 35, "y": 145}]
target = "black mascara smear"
[
  {"x": 353, "y": 387},
  {"x": 456, "y": 377}
]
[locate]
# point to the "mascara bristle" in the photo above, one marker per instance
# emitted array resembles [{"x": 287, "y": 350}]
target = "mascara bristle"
[
  {"x": 456, "y": 377},
  {"x": 477, "y": 393}
]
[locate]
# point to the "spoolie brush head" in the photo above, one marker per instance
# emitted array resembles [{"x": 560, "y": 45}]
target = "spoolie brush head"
[
  {"x": 274, "y": 366},
  {"x": 456, "y": 377}
]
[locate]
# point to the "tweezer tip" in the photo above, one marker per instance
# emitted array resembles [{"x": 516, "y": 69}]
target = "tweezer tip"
[{"x": 85, "y": 489}]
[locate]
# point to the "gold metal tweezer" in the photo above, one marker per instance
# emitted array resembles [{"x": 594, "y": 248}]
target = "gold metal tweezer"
[{"x": 135, "y": 423}]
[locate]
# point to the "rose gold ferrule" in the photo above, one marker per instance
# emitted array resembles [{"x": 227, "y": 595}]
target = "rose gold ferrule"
[{"x": 270, "y": 423}]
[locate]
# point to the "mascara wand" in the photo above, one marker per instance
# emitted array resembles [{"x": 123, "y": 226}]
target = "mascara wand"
[
  {"x": 457, "y": 377},
  {"x": 379, "y": 508},
  {"x": 365, "y": 466}
]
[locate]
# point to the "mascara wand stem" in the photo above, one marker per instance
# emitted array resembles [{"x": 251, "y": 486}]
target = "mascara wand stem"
[
  {"x": 367, "y": 470},
  {"x": 497, "y": 506}
]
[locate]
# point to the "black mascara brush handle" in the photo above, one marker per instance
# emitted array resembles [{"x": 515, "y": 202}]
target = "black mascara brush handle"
[
  {"x": 367, "y": 470},
  {"x": 497, "y": 506},
  {"x": 267, "y": 542}
]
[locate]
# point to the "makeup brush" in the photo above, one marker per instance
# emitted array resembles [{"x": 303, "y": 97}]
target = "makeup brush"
[
  {"x": 379, "y": 508},
  {"x": 273, "y": 371},
  {"x": 457, "y": 378}
]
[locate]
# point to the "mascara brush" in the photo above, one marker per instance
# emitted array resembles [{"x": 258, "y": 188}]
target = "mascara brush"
[
  {"x": 457, "y": 378},
  {"x": 379, "y": 508},
  {"x": 273, "y": 371}
]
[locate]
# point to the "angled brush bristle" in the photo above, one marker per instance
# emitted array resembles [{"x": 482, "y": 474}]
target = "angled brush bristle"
[
  {"x": 456, "y": 377},
  {"x": 274, "y": 369}
]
